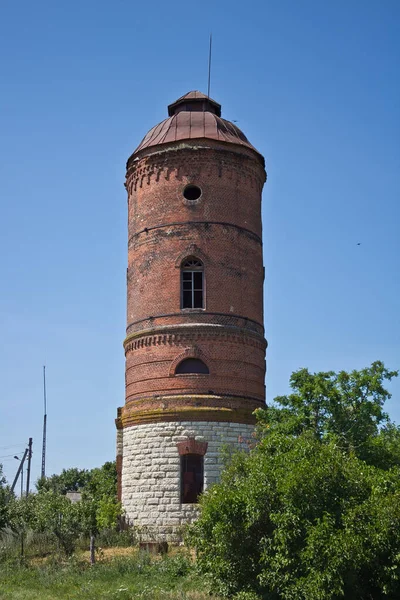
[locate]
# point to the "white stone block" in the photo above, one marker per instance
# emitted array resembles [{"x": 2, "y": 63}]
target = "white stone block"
[{"x": 151, "y": 471}]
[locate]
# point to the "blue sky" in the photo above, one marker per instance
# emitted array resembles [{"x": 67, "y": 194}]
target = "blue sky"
[{"x": 315, "y": 87}]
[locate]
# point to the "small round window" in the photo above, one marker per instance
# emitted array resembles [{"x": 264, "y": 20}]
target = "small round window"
[{"x": 192, "y": 192}]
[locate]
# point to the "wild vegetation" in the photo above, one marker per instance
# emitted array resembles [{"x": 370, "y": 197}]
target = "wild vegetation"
[
  {"x": 131, "y": 577},
  {"x": 49, "y": 512},
  {"x": 310, "y": 512},
  {"x": 45, "y": 539},
  {"x": 313, "y": 511}
]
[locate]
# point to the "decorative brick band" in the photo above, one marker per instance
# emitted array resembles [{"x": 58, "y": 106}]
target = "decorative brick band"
[
  {"x": 181, "y": 321},
  {"x": 168, "y": 336},
  {"x": 209, "y": 415},
  {"x": 234, "y": 162},
  {"x": 192, "y": 407},
  {"x": 146, "y": 230},
  {"x": 190, "y": 446}
]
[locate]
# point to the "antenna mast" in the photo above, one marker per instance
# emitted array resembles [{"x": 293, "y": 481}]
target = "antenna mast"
[
  {"x": 43, "y": 473},
  {"x": 209, "y": 67}
]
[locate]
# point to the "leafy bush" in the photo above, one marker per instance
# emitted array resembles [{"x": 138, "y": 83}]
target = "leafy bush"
[
  {"x": 175, "y": 566},
  {"x": 303, "y": 515},
  {"x": 108, "y": 538}
]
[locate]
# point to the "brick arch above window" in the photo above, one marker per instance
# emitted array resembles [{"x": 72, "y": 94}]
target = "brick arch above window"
[
  {"x": 190, "y": 251},
  {"x": 192, "y": 352},
  {"x": 192, "y": 366},
  {"x": 191, "y": 446}
]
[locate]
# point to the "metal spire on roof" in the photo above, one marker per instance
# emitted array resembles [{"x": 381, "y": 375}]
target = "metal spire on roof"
[{"x": 209, "y": 67}]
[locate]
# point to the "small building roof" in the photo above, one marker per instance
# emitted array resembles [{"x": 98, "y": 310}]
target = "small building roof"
[{"x": 191, "y": 99}]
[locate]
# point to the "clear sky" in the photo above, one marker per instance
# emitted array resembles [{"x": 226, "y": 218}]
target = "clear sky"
[{"x": 315, "y": 87}]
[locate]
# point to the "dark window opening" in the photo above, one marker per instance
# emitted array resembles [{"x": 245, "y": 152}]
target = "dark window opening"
[
  {"x": 192, "y": 284},
  {"x": 192, "y": 365},
  {"x": 192, "y": 192},
  {"x": 192, "y": 478}
]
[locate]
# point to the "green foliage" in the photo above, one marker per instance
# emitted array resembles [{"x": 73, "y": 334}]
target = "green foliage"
[
  {"x": 60, "y": 517},
  {"x": 135, "y": 577},
  {"x": 102, "y": 481},
  {"x": 348, "y": 406},
  {"x": 69, "y": 480},
  {"x": 107, "y": 513},
  {"x": 3, "y": 500},
  {"x": 108, "y": 538},
  {"x": 99, "y": 499},
  {"x": 175, "y": 566},
  {"x": 49, "y": 511},
  {"x": 303, "y": 515},
  {"x": 23, "y": 513}
]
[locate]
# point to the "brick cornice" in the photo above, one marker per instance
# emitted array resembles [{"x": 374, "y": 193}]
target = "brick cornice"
[
  {"x": 193, "y": 407},
  {"x": 210, "y": 414},
  {"x": 145, "y": 235},
  {"x": 195, "y": 158},
  {"x": 190, "y": 334}
]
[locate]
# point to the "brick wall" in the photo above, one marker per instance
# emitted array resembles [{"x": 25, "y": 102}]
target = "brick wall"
[{"x": 223, "y": 229}]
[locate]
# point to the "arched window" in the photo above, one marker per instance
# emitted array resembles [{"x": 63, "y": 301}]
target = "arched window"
[
  {"x": 192, "y": 283},
  {"x": 192, "y": 365},
  {"x": 192, "y": 478},
  {"x": 192, "y": 453}
]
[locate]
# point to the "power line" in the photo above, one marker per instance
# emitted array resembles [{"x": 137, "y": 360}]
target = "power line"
[
  {"x": 8, "y": 455},
  {"x": 12, "y": 446}
]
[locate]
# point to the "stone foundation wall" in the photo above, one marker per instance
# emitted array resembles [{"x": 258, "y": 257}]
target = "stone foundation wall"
[{"x": 151, "y": 472}]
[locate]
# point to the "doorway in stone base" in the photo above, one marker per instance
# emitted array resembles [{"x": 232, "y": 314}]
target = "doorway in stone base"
[{"x": 192, "y": 478}]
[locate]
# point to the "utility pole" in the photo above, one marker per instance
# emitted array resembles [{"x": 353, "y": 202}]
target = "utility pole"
[
  {"x": 28, "y": 475},
  {"x": 21, "y": 466},
  {"x": 22, "y": 475},
  {"x": 43, "y": 472}
]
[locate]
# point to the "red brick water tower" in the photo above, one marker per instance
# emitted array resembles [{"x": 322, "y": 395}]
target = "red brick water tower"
[{"x": 195, "y": 346}]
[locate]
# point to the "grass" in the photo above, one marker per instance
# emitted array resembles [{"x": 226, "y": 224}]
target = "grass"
[{"x": 134, "y": 576}]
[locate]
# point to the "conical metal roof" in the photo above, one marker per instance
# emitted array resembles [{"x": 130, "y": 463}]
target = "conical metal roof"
[{"x": 194, "y": 116}]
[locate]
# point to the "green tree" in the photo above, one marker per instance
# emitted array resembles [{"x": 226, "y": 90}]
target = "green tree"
[
  {"x": 99, "y": 497},
  {"x": 303, "y": 515},
  {"x": 69, "y": 480},
  {"x": 57, "y": 515},
  {"x": 48, "y": 512},
  {"x": 348, "y": 406},
  {"x": 23, "y": 513},
  {"x": 100, "y": 507},
  {"x": 98, "y": 487}
]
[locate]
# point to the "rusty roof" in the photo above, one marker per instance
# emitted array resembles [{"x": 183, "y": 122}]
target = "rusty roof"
[
  {"x": 195, "y": 101},
  {"x": 194, "y": 116}
]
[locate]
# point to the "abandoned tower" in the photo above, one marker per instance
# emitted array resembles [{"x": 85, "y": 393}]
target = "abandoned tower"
[{"x": 195, "y": 346}]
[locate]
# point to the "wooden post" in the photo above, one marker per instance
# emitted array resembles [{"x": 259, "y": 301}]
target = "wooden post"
[
  {"x": 92, "y": 550},
  {"x": 28, "y": 476}
]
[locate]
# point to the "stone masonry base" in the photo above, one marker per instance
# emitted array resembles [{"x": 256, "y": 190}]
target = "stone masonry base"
[{"x": 151, "y": 472}]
